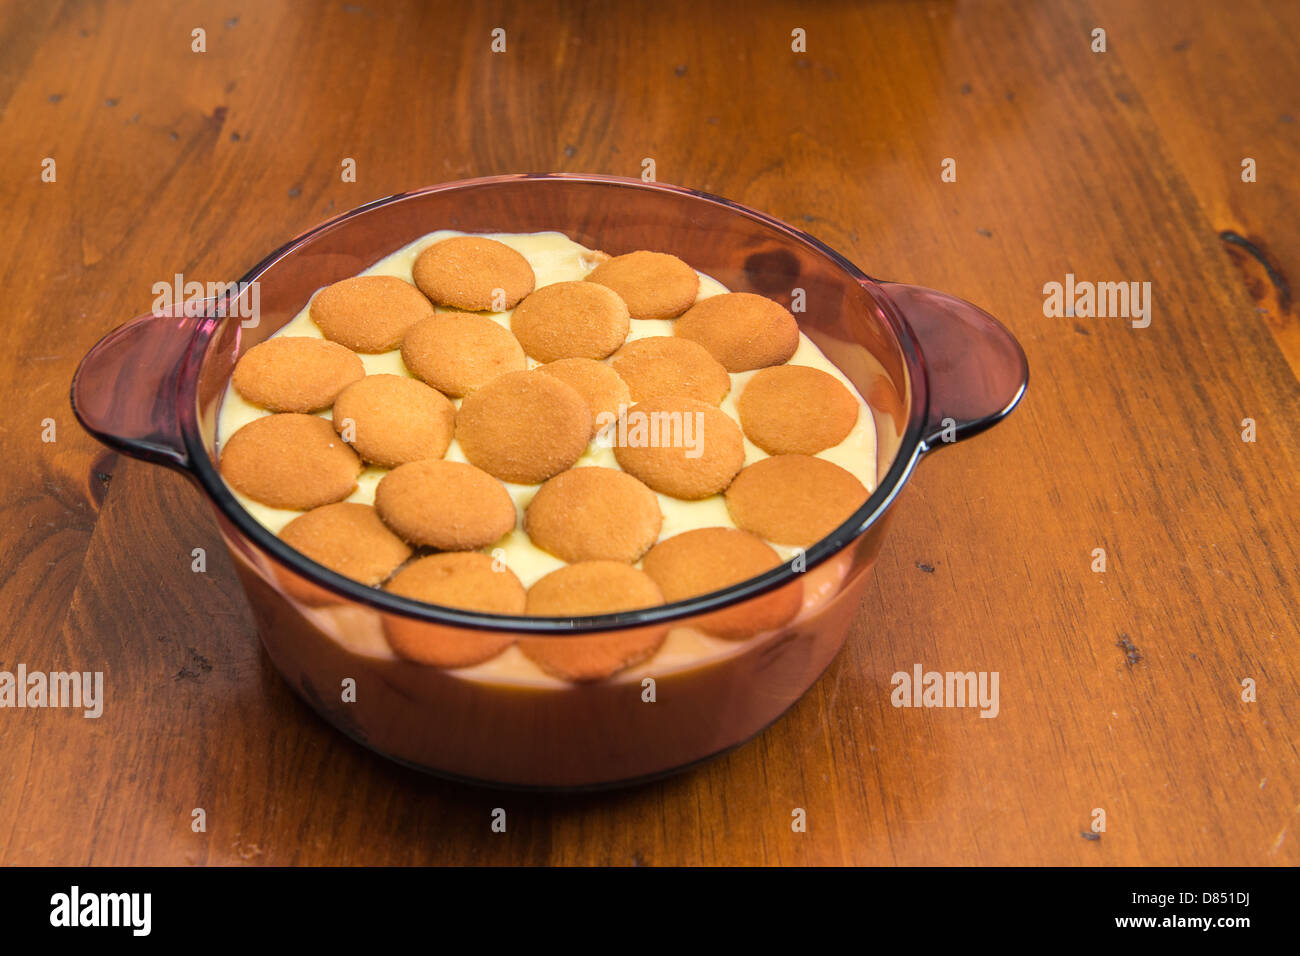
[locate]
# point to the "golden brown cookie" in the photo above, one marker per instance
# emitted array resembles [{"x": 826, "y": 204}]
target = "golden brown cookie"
[
  {"x": 794, "y": 500},
  {"x": 457, "y": 352},
  {"x": 369, "y": 313},
  {"x": 663, "y": 365},
  {"x": 654, "y": 285},
  {"x": 710, "y": 559},
  {"x": 467, "y": 580},
  {"x": 884, "y": 395},
  {"x": 473, "y": 273},
  {"x": 447, "y": 505},
  {"x": 290, "y": 460},
  {"x": 590, "y": 588},
  {"x": 570, "y": 320},
  {"x": 589, "y": 658},
  {"x": 592, "y": 514},
  {"x": 601, "y": 387},
  {"x": 679, "y": 446},
  {"x": 796, "y": 410},
  {"x": 391, "y": 419},
  {"x": 741, "y": 330},
  {"x": 347, "y": 537},
  {"x": 293, "y": 373},
  {"x": 523, "y": 427},
  {"x": 303, "y": 591},
  {"x": 439, "y": 645}
]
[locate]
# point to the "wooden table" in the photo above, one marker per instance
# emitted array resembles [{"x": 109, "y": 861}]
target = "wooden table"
[{"x": 1119, "y": 690}]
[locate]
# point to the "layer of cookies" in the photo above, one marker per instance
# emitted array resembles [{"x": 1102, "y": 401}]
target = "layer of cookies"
[{"x": 556, "y": 259}]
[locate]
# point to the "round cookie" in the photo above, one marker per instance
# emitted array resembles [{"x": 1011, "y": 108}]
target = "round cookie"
[
  {"x": 663, "y": 365},
  {"x": 296, "y": 373},
  {"x": 523, "y": 427},
  {"x": 290, "y": 460},
  {"x": 571, "y": 320},
  {"x": 459, "y": 352},
  {"x": 368, "y": 313},
  {"x": 591, "y": 514},
  {"x": 391, "y": 419},
  {"x": 654, "y": 285},
  {"x": 793, "y": 499},
  {"x": 348, "y": 538},
  {"x": 470, "y": 272},
  {"x": 601, "y": 387},
  {"x": 796, "y": 410},
  {"x": 296, "y": 585},
  {"x": 884, "y": 395},
  {"x": 467, "y": 580},
  {"x": 590, "y": 588},
  {"x": 681, "y": 447},
  {"x": 741, "y": 330},
  {"x": 710, "y": 559},
  {"x": 447, "y": 505},
  {"x": 593, "y": 657},
  {"x": 441, "y": 646}
]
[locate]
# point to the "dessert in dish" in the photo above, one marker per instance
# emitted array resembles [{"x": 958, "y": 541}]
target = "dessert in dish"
[
  {"x": 519, "y": 425},
  {"x": 386, "y": 655}
]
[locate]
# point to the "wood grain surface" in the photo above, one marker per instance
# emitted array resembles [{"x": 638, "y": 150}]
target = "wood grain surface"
[{"x": 1119, "y": 690}]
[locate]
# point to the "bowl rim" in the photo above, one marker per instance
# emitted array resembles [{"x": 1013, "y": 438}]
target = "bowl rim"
[{"x": 911, "y": 446}]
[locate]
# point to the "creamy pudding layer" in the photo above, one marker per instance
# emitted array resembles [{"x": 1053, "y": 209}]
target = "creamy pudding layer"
[{"x": 556, "y": 258}]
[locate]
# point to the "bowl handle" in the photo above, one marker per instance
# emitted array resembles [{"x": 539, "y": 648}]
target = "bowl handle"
[
  {"x": 125, "y": 390},
  {"x": 975, "y": 369}
]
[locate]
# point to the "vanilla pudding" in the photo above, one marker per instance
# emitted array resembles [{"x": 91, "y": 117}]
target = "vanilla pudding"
[{"x": 556, "y": 258}]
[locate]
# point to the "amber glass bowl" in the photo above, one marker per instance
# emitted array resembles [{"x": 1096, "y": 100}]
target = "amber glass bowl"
[{"x": 932, "y": 368}]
